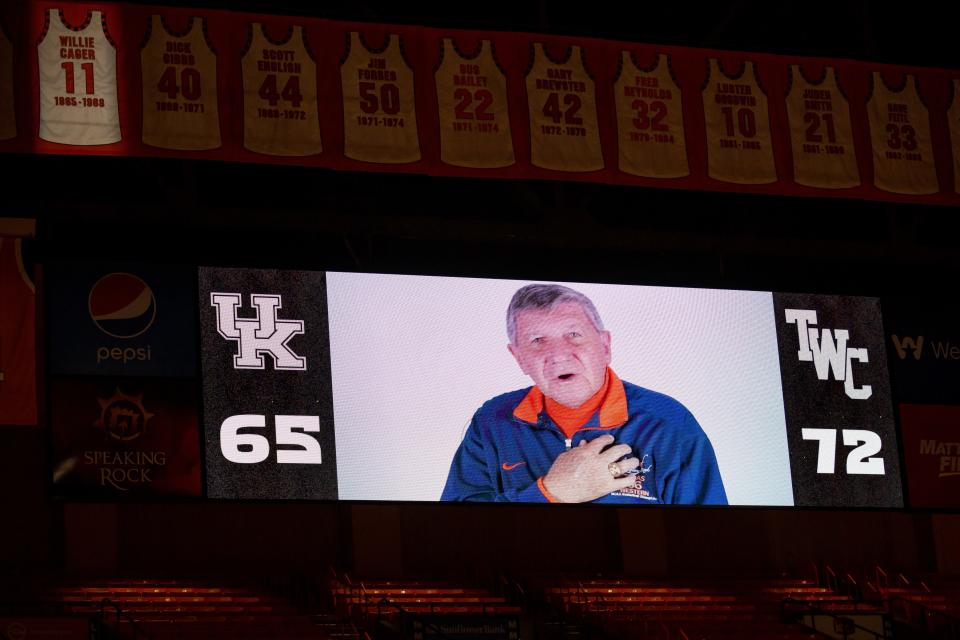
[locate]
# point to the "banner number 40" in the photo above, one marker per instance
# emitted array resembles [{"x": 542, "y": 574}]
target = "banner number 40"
[{"x": 859, "y": 461}]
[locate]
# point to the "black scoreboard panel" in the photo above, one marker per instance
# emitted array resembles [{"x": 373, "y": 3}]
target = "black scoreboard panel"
[{"x": 413, "y": 388}]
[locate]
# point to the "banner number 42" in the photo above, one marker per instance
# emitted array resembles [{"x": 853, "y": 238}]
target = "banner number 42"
[{"x": 859, "y": 460}]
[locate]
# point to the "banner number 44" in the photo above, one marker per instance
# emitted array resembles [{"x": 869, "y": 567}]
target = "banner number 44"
[{"x": 859, "y": 460}]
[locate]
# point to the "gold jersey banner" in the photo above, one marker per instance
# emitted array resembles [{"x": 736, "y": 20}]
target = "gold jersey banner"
[
  {"x": 105, "y": 78},
  {"x": 379, "y": 114},
  {"x": 650, "y": 119},
  {"x": 953, "y": 117},
  {"x": 561, "y": 97},
  {"x": 739, "y": 141},
  {"x": 280, "y": 94},
  {"x": 821, "y": 134},
  {"x": 900, "y": 137},
  {"x": 473, "y": 108},
  {"x": 179, "y": 88}
]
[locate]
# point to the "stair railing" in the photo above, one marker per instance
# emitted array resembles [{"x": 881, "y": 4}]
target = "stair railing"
[
  {"x": 668, "y": 634},
  {"x": 791, "y": 607},
  {"x": 121, "y": 616},
  {"x": 883, "y": 580},
  {"x": 920, "y": 615},
  {"x": 852, "y": 588},
  {"x": 832, "y": 583}
]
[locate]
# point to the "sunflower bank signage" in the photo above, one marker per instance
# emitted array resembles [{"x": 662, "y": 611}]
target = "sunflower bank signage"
[{"x": 386, "y": 387}]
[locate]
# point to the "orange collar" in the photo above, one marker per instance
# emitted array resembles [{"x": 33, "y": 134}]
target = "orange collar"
[{"x": 613, "y": 408}]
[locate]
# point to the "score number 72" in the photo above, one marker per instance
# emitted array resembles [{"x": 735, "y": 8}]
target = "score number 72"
[{"x": 859, "y": 460}]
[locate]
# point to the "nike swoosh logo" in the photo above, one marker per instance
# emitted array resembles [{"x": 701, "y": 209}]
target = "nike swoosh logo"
[{"x": 510, "y": 467}]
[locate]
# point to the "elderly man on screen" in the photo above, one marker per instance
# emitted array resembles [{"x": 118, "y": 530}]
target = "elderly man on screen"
[{"x": 580, "y": 434}]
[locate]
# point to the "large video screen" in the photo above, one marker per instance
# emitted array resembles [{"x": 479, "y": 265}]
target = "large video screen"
[{"x": 356, "y": 386}]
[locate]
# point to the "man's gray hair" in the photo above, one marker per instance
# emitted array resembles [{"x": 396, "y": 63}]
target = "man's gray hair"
[{"x": 547, "y": 296}]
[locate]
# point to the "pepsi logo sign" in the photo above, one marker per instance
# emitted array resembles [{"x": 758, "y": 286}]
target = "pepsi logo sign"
[{"x": 122, "y": 305}]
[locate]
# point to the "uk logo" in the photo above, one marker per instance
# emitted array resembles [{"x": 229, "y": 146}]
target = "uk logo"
[
  {"x": 264, "y": 334},
  {"x": 828, "y": 351}
]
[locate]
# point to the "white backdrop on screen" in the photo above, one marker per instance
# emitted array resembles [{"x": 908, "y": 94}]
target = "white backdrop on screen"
[{"x": 413, "y": 357}]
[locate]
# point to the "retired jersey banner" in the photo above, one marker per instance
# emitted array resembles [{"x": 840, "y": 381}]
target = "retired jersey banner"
[
  {"x": 140, "y": 80},
  {"x": 124, "y": 437},
  {"x": 121, "y": 320},
  {"x": 8, "y": 116},
  {"x": 18, "y": 329}
]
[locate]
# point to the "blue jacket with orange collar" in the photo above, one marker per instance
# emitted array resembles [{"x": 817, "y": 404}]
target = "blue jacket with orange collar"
[{"x": 511, "y": 444}]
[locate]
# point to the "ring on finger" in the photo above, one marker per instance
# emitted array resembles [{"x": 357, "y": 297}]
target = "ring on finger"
[{"x": 614, "y": 470}]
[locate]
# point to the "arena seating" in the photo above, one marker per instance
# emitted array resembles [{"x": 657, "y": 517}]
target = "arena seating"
[
  {"x": 716, "y": 608},
  {"x": 930, "y": 603},
  {"x": 387, "y": 598},
  {"x": 936, "y": 592},
  {"x": 713, "y": 608},
  {"x": 176, "y": 609},
  {"x": 666, "y": 609}
]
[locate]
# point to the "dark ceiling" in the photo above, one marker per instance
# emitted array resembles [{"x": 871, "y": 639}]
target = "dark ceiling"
[
  {"x": 921, "y": 33},
  {"x": 259, "y": 215}
]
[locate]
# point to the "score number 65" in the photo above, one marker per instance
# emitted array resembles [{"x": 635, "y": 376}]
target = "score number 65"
[
  {"x": 859, "y": 461},
  {"x": 253, "y": 448}
]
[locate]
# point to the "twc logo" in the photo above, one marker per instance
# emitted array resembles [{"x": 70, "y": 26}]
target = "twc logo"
[
  {"x": 263, "y": 334},
  {"x": 828, "y": 351}
]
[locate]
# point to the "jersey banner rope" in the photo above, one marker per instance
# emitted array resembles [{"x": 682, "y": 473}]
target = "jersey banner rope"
[{"x": 124, "y": 80}]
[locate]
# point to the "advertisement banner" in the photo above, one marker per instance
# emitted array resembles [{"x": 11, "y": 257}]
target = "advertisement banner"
[
  {"x": 130, "y": 320},
  {"x": 462, "y": 627},
  {"x": 125, "y": 437},
  {"x": 930, "y": 437},
  {"x": 61, "y": 628},
  {"x": 924, "y": 344}
]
